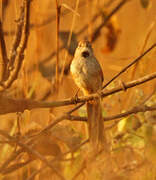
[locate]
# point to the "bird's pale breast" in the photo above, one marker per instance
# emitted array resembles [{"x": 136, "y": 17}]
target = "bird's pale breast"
[{"x": 87, "y": 74}]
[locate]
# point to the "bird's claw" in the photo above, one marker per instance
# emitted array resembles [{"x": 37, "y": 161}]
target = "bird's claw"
[{"x": 75, "y": 98}]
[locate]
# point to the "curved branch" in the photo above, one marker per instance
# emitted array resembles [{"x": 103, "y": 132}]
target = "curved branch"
[
  {"x": 134, "y": 110},
  {"x": 8, "y": 105}
]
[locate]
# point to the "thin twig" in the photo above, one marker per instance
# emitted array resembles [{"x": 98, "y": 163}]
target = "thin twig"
[
  {"x": 12, "y": 157},
  {"x": 80, "y": 171},
  {"x": 51, "y": 125},
  {"x": 84, "y": 165},
  {"x": 107, "y": 18},
  {"x": 69, "y": 8},
  {"x": 4, "y": 59},
  {"x": 55, "y": 159},
  {"x": 58, "y": 11},
  {"x": 150, "y": 29},
  {"x": 69, "y": 40},
  {"x": 15, "y": 167},
  {"x": 115, "y": 10},
  {"x": 47, "y": 21},
  {"x": 129, "y": 65},
  {"x": 31, "y": 151},
  {"x": 59, "y": 119},
  {"x": 134, "y": 110}
]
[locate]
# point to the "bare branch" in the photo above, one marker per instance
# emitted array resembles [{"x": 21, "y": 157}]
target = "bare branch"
[
  {"x": 15, "y": 167},
  {"x": 12, "y": 157},
  {"x": 129, "y": 65},
  {"x": 49, "y": 20},
  {"x": 4, "y": 60},
  {"x": 31, "y": 151},
  {"x": 94, "y": 18},
  {"x": 20, "y": 47},
  {"x": 8, "y": 105},
  {"x": 134, "y": 110},
  {"x": 17, "y": 38},
  {"x": 69, "y": 41},
  {"x": 107, "y": 18},
  {"x": 31, "y": 177},
  {"x": 150, "y": 29}
]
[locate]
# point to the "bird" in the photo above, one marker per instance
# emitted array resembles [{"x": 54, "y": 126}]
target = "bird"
[{"x": 88, "y": 76}]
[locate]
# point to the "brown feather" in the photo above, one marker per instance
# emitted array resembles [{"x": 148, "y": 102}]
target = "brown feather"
[{"x": 95, "y": 124}]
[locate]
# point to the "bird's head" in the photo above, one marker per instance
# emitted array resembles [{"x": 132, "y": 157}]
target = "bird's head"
[{"x": 84, "y": 49}]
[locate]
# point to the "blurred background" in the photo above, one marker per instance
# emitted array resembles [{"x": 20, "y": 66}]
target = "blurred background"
[{"x": 117, "y": 39}]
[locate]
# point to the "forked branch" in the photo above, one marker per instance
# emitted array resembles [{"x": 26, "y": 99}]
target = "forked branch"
[{"x": 19, "y": 45}]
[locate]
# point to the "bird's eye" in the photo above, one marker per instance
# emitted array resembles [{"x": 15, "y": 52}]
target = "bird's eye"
[{"x": 85, "y": 54}]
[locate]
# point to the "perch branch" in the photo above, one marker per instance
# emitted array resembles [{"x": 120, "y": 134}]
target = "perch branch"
[{"x": 8, "y": 105}]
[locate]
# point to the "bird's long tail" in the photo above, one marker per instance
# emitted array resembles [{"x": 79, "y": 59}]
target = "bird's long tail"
[{"x": 95, "y": 124}]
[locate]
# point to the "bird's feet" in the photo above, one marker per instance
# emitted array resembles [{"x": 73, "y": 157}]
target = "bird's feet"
[{"x": 75, "y": 97}]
